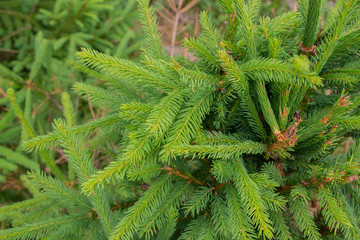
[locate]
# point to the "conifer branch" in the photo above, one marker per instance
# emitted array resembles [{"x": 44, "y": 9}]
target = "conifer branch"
[
  {"x": 312, "y": 24},
  {"x": 40, "y": 143},
  {"x": 126, "y": 68},
  {"x": 151, "y": 199},
  {"x": 249, "y": 191},
  {"x": 156, "y": 221},
  {"x": 49, "y": 162},
  {"x": 190, "y": 119},
  {"x": 225, "y": 152},
  {"x": 302, "y": 214},
  {"x": 149, "y": 21},
  {"x": 240, "y": 224},
  {"x": 42, "y": 229}
]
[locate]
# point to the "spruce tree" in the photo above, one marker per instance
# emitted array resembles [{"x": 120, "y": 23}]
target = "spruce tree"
[{"x": 238, "y": 144}]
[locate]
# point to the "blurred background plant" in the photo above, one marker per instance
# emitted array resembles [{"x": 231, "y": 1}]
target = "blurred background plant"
[
  {"x": 179, "y": 19},
  {"x": 38, "y": 42},
  {"x": 276, "y": 7}
]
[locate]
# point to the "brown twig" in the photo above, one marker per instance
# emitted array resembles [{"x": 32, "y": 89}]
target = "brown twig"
[
  {"x": 220, "y": 186},
  {"x": 273, "y": 12},
  {"x": 309, "y": 50},
  {"x": 8, "y": 50},
  {"x": 15, "y": 33},
  {"x": 173, "y": 171},
  {"x": 91, "y": 109},
  {"x": 61, "y": 159},
  {"x": 34, "y": 112},
  {"x": 320, "y": 182},
  {"x": 189, "y": 5},
  {"x": 197, "y": 25},
  {"x": 164, "y": 16},
  {"x": 93, "y": 214},
  {"x": 347, "y": 145},
  {"x": 3, "y": 93},
  {"x": 64, "y": 29},
  {"x": 176, "y": 23},
  {"x": 124, "y": 205},
  {"x": 48, "y": 95}
]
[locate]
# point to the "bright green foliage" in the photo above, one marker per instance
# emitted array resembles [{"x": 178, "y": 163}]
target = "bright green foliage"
[
  {"x": 38, "y": 42},
  {"x": 238, "y": 144}
]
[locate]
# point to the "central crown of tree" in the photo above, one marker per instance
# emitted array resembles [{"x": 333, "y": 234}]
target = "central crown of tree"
[{"x": 234, "y": 145}]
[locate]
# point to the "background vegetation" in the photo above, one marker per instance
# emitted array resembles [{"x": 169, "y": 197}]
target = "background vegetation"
[{"x": 38, "y": 42}]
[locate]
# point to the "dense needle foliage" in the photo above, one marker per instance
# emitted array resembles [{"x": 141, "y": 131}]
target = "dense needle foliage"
[{"x": 235, "y": 145}]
